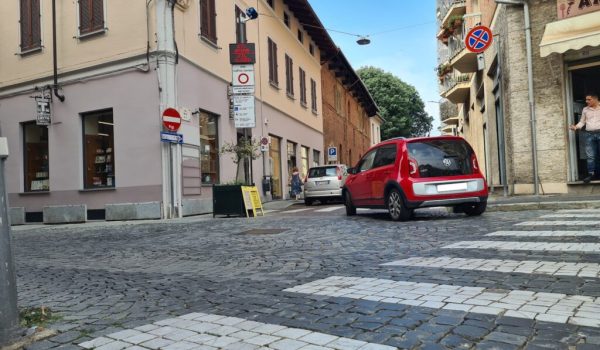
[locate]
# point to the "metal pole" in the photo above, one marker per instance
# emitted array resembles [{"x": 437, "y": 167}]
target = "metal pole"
[{"x": 9, "y": 315}]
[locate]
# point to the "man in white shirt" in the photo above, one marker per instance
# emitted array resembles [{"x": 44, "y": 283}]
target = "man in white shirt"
[{"x": 590, "y": 117}]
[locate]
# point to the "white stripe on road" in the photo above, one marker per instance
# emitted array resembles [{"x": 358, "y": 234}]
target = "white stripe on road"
[
  {"x": 573, "y": 215},
  {"x": 546, "y": 233},
  {"x": 270, "y": 211},
  {"x": 297, "y": 210},
  {"x": 497, "y": 265},
  {"x": 326, "y": 210},
  {"x": 560, "y": 223},
  {"x": 538, "y": 246},
  {"x": 597, "y": 211},
  {"x": 549, "y": 307},
  {"x": 209, "y": 331}
]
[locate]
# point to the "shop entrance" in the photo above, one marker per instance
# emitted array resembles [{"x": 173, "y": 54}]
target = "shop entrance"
[{"x": 584, "y": 78}]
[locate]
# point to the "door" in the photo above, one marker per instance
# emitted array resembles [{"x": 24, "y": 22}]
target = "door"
[
  {"x": 358, "y": 184},
  {"x": 382, "y": 170}
]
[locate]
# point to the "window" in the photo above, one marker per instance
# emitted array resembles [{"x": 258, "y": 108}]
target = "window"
[
  {"x": 91, "y": 16},
  {"x": 291, "y": 157},
  {"x": 386, "y": 155},
  {"x": 275, "y": 166},
  {"x": 313, "y": 95},
  {"x": 316, "y": 158},
  {"x": 190, "y": 170},
  {"x": 31, "y": 33},
  {"x": 289, "y": 76},
  {"x": 99, "y": 149},
  {"x": 302, "y": 87},
  {"x": 273, "y": 77},
  {"x": 271, "y": 3},
  {"x": 208, "y": 23},
  {"x": 367, "y": 162},
  {"x": 35, "y": 143},
  {"x": 209, "y": 148},
  {"x": 311, "y": 49},
  {"x": 286, "y": 19},
  {"x": 304, "y": 158},
  {"x": 300, "y": 36},
  {"x": 240, "y": 26},
  {"x": 338, "y": 99}
]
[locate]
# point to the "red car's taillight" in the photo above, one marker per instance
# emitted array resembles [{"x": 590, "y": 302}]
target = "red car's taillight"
[
  {"x": 413, "y": 167},
  {"x": 474, "y": 163}
]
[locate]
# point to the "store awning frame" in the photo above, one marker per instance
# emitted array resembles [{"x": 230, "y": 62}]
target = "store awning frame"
[{"x": 571, "y": 34}]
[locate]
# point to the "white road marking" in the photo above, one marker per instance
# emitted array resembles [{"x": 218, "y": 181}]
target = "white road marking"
[
  {"x": 296, "y": 210},
  {"x": 270, "y": 211},
  {"x": 549, "y": 307},
  {"x": 597, "y": 211},
  {"x": 497, "y": 265},
  {"x": 560, "y": 223},
  {"x": 326, "y": 210},
  {"x": 537, "y": 246},
  {"x": 545, "y": 233},
  {"x": 209, "y": 331},
  {"x": 573, "y": 215}
]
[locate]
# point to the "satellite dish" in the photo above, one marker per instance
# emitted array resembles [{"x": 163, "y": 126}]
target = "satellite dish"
[{"x": 363, "y": 40}]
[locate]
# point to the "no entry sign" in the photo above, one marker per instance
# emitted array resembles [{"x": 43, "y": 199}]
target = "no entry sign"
[
  {"x": 478, "y": 39},
  {"x": 171, "y": 119}
]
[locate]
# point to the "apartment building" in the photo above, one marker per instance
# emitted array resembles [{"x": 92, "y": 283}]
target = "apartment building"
[
  {"x": 350, "y": 115},
  {"x": 524, "y": 136},
  {"x": 82, "y": 95}
]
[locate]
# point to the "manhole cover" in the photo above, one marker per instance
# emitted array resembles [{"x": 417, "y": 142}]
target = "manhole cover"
[{"x": 263, "y": 231}]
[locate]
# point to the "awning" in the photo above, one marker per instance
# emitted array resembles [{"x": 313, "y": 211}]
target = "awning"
[{"x": 571, "y": 34}]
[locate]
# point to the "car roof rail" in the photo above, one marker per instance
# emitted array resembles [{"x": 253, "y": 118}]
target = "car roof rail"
[{"x": 396, "y": 138}]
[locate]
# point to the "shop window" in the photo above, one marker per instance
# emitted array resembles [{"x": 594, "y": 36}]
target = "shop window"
[
  {"x": 91, "y": 16},
  {"x": 99, "y": 149},
  {"x": 208, "y": 20},
  {"x": 273, "y": 76},
  {"x": 291, "y": 157},
  {"x": 304, "y": 157},
  {"x": 190, "y": 170},
  {"x": 209, "y": 148},
  {"x": 275, "y": 167},
  {"x": 37, "y": 173},
  {"x": 31, "y": 34},
  {"x": 316, "y": 158}
]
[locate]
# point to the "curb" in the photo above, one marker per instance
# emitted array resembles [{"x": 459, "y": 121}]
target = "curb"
[
  {"x": 543, "y": 206},
  {"x": 30, "y": 339}
]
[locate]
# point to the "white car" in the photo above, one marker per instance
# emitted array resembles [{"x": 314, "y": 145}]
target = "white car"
[{"x": 324, "y": 182}]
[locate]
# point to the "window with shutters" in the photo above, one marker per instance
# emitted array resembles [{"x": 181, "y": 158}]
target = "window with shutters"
[
  {"x": 313, "y": 96},
  {"x": 273, "y": 76},
  {"x": 302, "y": 75},
  {"x": 31, "y": 34},
  {"x": 289, "y": 76},
  {"x": 91, "y": 16},
  {"x": 208, "y": 20}
]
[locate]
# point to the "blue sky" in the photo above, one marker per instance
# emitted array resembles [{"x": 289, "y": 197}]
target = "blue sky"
[{"x": 409, "y": 53}]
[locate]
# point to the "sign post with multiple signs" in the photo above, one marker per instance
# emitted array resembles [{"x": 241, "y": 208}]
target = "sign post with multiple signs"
[{"x": 242, "y": 57}]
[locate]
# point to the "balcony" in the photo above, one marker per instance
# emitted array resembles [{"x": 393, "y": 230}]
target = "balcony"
[
  {"x": 456, "y": 88},
  {"x": 449, "y": 130},
  {"x": 452, "y": 8},
  {"x": 461, "y": 59},
  {"x": 448, "y": 110}
]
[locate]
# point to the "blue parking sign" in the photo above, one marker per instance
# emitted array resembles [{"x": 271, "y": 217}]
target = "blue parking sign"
[{"x": 332, "y": 154}]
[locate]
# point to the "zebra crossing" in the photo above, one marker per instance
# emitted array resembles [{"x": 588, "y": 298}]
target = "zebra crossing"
[{"x": 582, "y": 310}]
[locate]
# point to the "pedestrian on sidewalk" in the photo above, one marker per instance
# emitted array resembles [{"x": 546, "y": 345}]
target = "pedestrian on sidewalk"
[
  {"x": 296, "y": 183},
  {"x": 590, "y": 118}
]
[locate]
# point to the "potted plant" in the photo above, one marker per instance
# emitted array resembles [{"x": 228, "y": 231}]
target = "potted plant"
[{"x": 227, "y": 198}]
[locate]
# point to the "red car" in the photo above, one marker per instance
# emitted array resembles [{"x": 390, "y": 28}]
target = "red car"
[{"x": 402, "y": 175}]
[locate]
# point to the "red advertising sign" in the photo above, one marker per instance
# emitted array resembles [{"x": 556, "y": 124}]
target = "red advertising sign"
[
  {"x": 242, "y": 53},
  {"x": 572, "y": 8},
  {"x": 171, "y": 119}
]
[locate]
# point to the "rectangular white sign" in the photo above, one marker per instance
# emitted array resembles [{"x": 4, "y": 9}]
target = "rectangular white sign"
[
  {"x": 243, "y": 111},
  {"x": 243, "y": 75}
]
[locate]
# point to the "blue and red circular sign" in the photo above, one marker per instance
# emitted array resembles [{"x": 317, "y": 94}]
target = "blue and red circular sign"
[{"x": 479, "y": 39}]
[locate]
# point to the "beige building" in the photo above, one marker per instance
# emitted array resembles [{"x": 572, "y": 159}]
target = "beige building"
[
  {"x": 523, "y": 137},
  {"x": 112, "y": 71}
]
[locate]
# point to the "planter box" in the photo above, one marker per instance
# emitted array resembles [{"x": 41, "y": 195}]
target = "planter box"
[{"x": 228, "y": 200}]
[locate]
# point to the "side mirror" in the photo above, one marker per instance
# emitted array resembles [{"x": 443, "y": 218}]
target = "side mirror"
[{"x": 351, "y": 171}]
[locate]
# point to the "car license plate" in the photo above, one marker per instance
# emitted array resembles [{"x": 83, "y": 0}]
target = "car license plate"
[
  {"x": 460, "y": 186},
  {"x": 322, "y": 182}
]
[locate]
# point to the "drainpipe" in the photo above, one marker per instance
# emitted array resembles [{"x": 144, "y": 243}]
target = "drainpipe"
[
  {"x": 525, "y": 5},
  {"x": 55, "y": 86}
]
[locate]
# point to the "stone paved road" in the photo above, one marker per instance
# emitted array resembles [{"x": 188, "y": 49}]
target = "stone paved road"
[{"x": 108, "y": 278}]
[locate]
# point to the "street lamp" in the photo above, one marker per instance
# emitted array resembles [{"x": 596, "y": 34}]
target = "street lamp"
[{"x": 363, "y": 40}]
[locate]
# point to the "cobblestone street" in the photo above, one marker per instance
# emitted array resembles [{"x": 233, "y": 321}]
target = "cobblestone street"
[{"x": 319, "y": 280}]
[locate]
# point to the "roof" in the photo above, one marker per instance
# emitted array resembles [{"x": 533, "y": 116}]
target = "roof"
[{"x": 331, "y": 54}]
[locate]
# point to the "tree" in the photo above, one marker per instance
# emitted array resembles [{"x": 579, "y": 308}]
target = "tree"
[
  {"x": 245, "y": 148},
  {"x": 399, "y": 104}
]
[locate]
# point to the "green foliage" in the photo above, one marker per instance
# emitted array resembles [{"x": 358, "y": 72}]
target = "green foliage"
[
  {"x": 399, "y": 104},
  {"x": 36, "y": 316},
  {"x": 244, "y": 148}
]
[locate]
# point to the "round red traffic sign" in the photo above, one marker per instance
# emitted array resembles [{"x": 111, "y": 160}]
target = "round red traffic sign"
[
  {"x": 479, "y": 39},
  {"x": 243, "y": 78},
  {"x": 171, "y": 119},
  {"x": 264, "y": 141}
]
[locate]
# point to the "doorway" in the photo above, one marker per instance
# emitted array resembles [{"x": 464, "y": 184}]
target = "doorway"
[{"x": 584, "y": 78}]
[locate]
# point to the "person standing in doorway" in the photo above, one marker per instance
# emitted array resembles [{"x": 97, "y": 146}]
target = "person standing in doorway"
[
  {"x": 590, "y": 118},
  {"x": 296, "y": 183}
]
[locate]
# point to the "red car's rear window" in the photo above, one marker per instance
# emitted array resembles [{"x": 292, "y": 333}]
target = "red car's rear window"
[{"x": 441, "y": 157}]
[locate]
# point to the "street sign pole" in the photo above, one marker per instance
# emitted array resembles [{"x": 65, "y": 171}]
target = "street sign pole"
[{"x": 9, "y": 316}]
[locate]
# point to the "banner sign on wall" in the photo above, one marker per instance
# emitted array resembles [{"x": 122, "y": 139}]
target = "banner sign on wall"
[{"x": 572, "y": 8}]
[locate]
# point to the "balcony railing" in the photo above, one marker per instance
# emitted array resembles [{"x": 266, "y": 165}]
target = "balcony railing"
[
  {"x": 455, "y": 45},
  {"x": 447, "y": 5},
  {"x": 448, "y": 110},
  {"x": 451, "y": 81}
]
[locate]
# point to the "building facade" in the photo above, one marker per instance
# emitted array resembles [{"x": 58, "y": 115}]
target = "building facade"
[
  {"x": 524, "y": 136},
  {"x": 111, "y": 72}
]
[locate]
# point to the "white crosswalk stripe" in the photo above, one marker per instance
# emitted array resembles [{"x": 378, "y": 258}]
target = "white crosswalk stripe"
[
  {"x": 560, "y": 223},
  {"x": 573, "y": 215},
  {"x": 497, "y": 265},
  {"x": 549, "y": 307},
  {"x": 545, "y": 233},
  {"x": 326, "y": 210},
  {"x": 210, "y": 331},
  {"x": 537, "y": 246},
  {"x": 297, "y": 210},
  {"x": 597, "y": 211}
]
